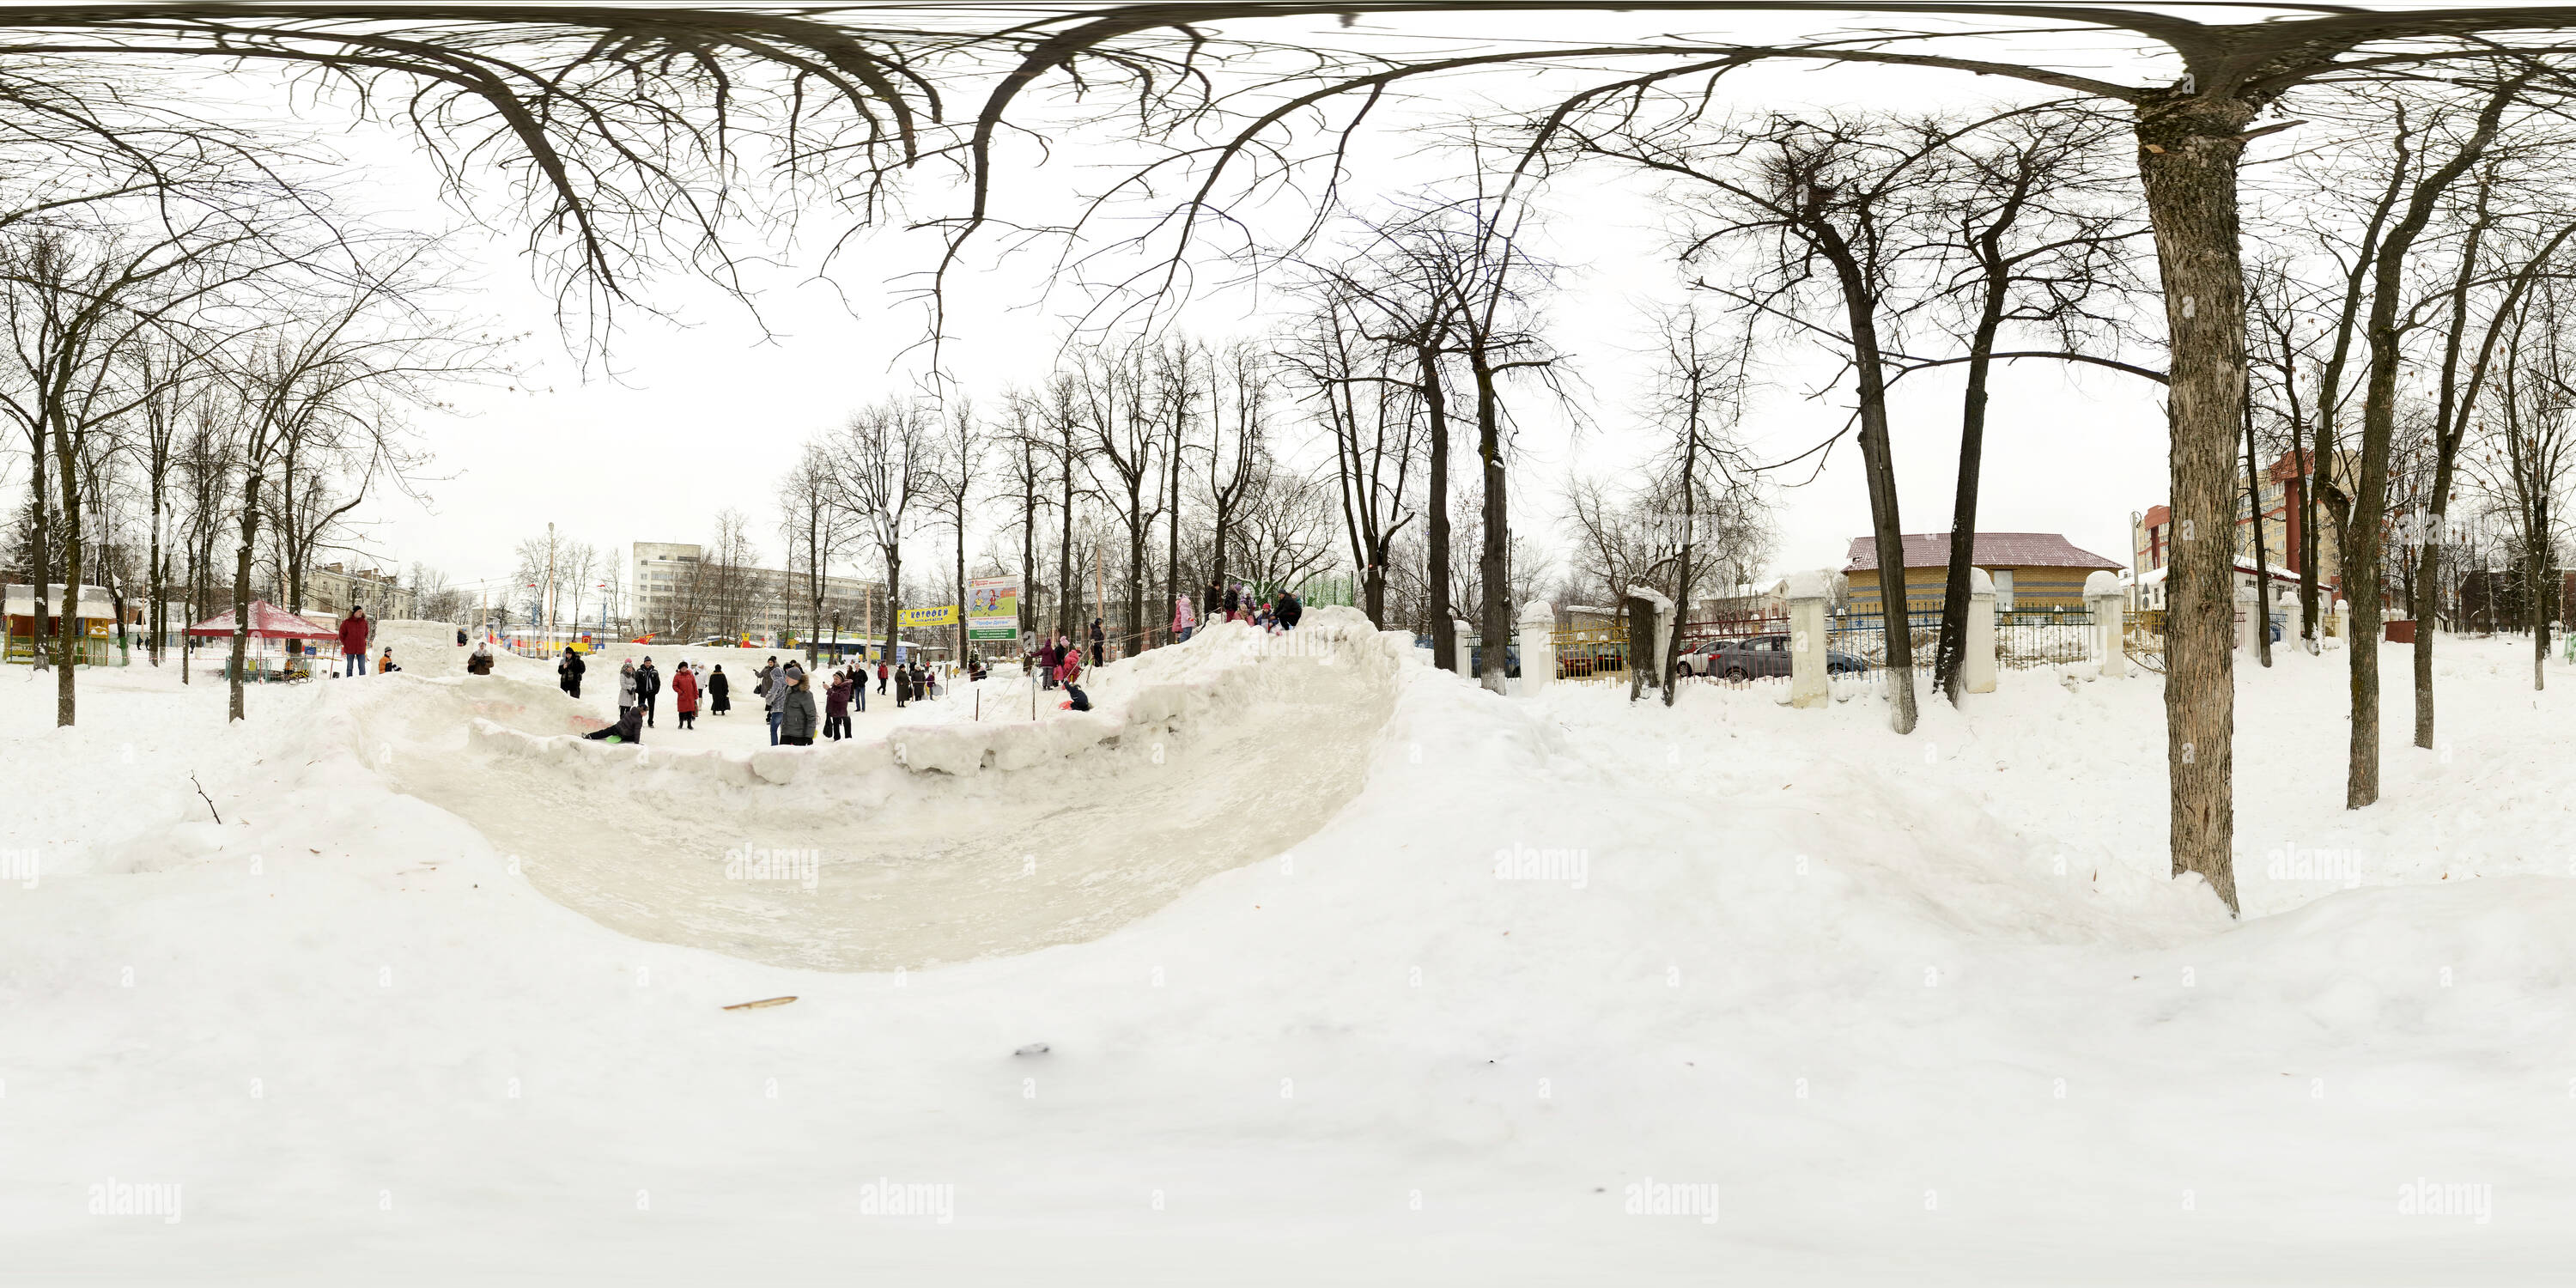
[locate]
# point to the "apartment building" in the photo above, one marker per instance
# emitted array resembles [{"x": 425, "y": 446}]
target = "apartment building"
[{"x": 675, "y": 590}]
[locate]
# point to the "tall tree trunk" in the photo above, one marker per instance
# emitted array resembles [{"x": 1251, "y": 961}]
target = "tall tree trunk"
[
  {"x": 1064, "y": 606},
  {"x": 1028, "y": 541},
  {"x": 2262, "y": 564},
  {"x": 894, "y": 598},
  {"x": 1493, "y": 568},
  {"x": 1878, "y": 460},
  {"x": 67, "y": 628},
  {"x": 156, "y": 577},
  {"x": 1952, "y": 649},
  {"x": 2190, "y": 147},
  {"x": 241, "y": 590},
  {"x": 1172, "y": 526},
  {"x": 1435, "y": 408}
]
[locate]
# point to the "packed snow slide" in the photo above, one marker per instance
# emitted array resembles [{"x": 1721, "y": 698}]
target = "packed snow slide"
[{"x": 936, "y": 843}]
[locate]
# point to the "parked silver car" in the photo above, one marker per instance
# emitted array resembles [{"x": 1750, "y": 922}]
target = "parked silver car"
[{"x": 1758, "y": 656}]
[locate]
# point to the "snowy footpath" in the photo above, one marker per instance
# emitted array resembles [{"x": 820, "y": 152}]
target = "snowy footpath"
[{"x": 1295, "y": 962}]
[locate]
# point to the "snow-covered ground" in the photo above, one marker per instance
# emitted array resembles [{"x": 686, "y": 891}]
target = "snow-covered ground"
[{"x": 1346, "y": 972}]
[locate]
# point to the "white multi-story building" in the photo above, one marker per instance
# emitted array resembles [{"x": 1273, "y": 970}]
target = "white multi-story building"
[{"x": 675, "y": 590}]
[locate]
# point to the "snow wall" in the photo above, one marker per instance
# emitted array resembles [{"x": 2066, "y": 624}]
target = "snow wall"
[{"x": 934, "y": 843}]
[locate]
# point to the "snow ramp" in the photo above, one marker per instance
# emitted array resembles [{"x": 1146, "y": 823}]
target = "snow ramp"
[{"x": 936, "y": 843}]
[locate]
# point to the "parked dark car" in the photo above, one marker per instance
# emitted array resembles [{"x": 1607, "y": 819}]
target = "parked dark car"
[
  {"x": 1476, "y": 657},
  {"x": 1757, "y": 657}
]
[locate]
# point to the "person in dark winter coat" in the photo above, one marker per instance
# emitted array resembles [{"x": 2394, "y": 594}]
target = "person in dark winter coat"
[
  {"x": 1099, "y": 641},
  {"x": 796, "y": 714},
  {"x": 629, "y": 728},
  {"x": 1233, "y": 601},
  {"x": 903, "y": 686},
  {"x": 836, "y": 707},
  {"x": 460, "y": 637},
  {"x": 479, "y": 662},
  {"x": 684, "y": 695},
  {"x": 1288, "y": 611},
  {"x": 570, "y": 669},
  {"x": 720, "y": 691},
  {"x": 648, "y": 688}
]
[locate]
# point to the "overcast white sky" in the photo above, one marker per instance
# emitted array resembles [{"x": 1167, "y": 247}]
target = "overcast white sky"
[{"x": 704, "y": 412}]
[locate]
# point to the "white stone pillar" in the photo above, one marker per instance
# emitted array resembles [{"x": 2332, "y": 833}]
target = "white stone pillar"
[
  {"x": 1807, "y": 593},
  {"x": 1977, "y": 664},
  {"x": 2103, "y": 598},
  {"x": 2342, "y": 622},
  {"x": 1538, "y": 645},
  {"x": 1462, "y": 647},
  {"x": 2249, "y": 617}
]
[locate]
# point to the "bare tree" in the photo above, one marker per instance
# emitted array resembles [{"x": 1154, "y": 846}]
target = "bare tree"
[
  {"x": 1358, "y": 390},
  {"x": 950, "y": 483},
  {"x": 883, "y": 466}
]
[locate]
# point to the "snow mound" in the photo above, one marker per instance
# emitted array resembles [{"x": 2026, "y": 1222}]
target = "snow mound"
[{"x": 935, "y": 843}]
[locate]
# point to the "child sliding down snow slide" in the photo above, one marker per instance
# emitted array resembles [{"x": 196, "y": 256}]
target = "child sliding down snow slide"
[{"x": 629, "y": 727}]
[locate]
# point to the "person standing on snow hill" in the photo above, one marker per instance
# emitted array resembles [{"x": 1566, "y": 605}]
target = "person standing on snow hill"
[
  {"x": 648, "y": 687},
  {"x": 720, "y": 689},
  {"x": 1182, "y": 619},
  {"x": 774, "y": 701},
  {"x": 570, "y": 669},
  {"x": 684, "y": 695},
  {"x": 836, "y": 707},
  {"x": 353, "y": 642},
  {"x": 1233, "y": 600},
  {"x": 1289, "y": 610},
  {"x": 796, "y": 714},
  {"x": 1099, "y": 640},
  {"x": 480, "y": 661},
  {"x": 460, "y": 637},
  {"x": 625, "y": 687}
]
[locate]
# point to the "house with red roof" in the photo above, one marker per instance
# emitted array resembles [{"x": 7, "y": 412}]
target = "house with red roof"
[{"x": 2031, "y": 570}]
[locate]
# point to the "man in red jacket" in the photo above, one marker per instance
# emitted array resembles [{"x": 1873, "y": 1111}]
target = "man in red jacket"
[{"x": 353, "y": 642}]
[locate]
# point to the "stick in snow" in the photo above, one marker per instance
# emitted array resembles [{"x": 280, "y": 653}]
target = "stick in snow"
[{"x": 201, "y": 795}]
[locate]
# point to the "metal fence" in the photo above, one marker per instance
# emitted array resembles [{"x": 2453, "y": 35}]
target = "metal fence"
[{"x": 1857, "y": 643}]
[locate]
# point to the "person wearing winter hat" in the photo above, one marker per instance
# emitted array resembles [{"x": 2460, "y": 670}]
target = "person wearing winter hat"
[
  {"x": 796, "y": 714},
  {"x": 775, "y": 700},
  {"x": 684, "y": 695}
]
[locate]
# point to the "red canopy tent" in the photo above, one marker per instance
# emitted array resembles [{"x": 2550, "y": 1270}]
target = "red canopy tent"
[{"x": 267, "y": 622}]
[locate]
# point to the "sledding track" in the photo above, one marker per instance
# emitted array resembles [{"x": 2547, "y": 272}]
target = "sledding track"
[{"x": 1200, "y": 758}]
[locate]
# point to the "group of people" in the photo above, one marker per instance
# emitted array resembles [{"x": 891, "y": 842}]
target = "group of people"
[
  {"x": 1061, "y": 664},
  {"x": 356, "y": 630},
  {"x": 1239, "y": 603},
  {"x": 639, "y": 691}
]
